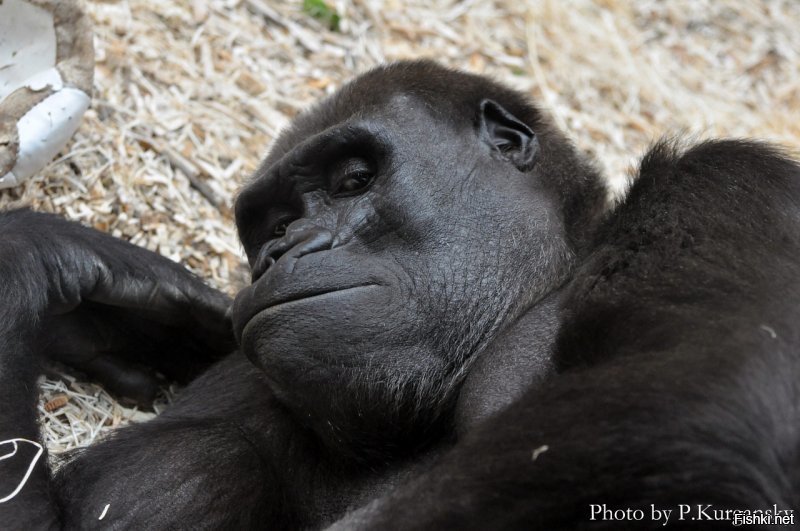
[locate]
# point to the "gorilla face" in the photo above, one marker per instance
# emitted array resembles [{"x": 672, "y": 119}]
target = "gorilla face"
[{"x": 387, "y": 246}]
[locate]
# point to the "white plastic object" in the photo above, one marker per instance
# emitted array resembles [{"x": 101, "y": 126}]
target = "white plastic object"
[{"x": 45, "y": 77}]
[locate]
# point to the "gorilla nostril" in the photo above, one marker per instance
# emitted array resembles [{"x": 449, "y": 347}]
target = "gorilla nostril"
[
  {"x": 295, "y": 244},
  {"x": 263, "y": 262},
  {"x": 275, "y": 252}
]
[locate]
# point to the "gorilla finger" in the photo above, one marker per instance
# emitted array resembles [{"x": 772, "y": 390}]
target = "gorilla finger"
[{"x": 176, "y": 297}]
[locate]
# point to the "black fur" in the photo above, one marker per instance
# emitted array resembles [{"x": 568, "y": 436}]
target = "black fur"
[
  {"x": 497, "y": 356},
  {"x": 679, "y": 366}
]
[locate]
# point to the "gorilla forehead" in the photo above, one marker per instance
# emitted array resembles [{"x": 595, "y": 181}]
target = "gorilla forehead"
[
  {"x": 453, "y": 100},
  {"x": 449, "y": 95},
  {"x": 405, "y": 90}
]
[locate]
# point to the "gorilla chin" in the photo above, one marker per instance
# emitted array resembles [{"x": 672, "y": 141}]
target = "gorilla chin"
[
  {"x": 270, "y": 337},
  {"x": 373, "y": 397}
]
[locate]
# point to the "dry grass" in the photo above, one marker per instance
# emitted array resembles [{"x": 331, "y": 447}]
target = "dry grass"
[{"x": 194, "y": 91}]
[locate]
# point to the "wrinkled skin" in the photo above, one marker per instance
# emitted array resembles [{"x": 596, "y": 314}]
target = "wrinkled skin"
[
  {"x": 441, "y": 332},
  {"x": 393, "y": 289}
]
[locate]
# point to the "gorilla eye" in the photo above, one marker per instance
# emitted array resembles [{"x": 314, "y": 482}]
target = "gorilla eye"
[
  {"x": 352, "y": 177},
  {"x": 355, "y": 182}
]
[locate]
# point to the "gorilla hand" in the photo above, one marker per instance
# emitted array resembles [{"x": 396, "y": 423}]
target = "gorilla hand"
[{"x": 104, "y": 306}]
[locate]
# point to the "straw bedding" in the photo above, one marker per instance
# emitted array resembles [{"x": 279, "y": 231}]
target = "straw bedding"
[{"x": 189, "y": 94}]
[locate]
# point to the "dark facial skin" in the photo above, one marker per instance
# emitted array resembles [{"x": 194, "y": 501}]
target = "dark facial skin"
[{"x": 389, "y": 253}]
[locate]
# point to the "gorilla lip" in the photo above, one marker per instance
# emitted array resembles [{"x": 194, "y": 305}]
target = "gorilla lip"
[
  {"x": 299, "y": 297},
  {"x": 312, "y": 295}
]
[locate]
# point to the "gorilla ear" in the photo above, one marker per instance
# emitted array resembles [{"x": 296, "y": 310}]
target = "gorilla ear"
[{"x": 505, "y": 133}]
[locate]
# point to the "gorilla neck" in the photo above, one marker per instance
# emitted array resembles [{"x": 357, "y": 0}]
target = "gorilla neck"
[{"x": 521, "y": 358}]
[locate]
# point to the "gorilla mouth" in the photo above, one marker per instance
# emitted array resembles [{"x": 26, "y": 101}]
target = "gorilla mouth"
[
  {"x": 312, "y": 295},
  {"x": 301, "y": 297}
]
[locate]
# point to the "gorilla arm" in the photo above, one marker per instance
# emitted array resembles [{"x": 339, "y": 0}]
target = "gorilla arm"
[
  {"x": 225, "y": 454},
  {"x": 70, "y": 293}
]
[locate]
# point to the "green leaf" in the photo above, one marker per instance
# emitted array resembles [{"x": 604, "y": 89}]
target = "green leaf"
[{"x": 322, "y": 12}]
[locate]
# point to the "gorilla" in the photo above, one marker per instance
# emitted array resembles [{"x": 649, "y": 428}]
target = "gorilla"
[{"x": 446, "y": 329}]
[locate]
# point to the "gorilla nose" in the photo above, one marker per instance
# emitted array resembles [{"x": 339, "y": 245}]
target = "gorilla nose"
[{"x": 301, "y": 238}]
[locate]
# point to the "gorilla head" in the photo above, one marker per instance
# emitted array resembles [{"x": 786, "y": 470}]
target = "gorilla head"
[{"x": 392, "y": 233}]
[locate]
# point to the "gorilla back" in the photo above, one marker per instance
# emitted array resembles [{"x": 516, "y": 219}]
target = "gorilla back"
[{"x": 444, "y": 330}]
